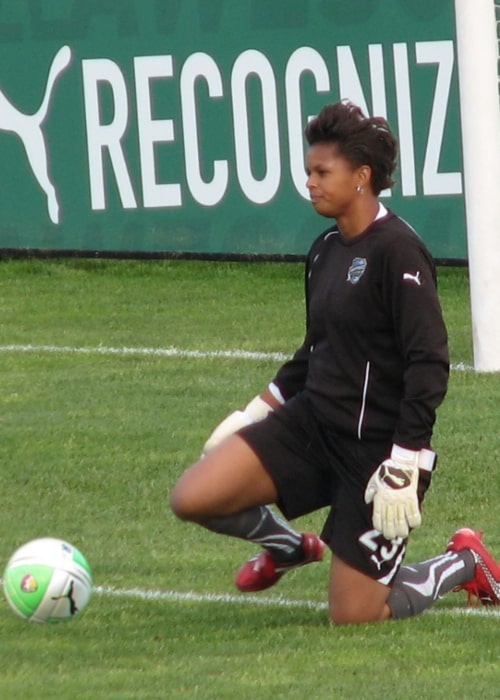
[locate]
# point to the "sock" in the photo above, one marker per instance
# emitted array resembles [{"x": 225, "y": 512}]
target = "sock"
[
  {"x": 261, "y": 526},
  {"x": 416, "y": 587}
]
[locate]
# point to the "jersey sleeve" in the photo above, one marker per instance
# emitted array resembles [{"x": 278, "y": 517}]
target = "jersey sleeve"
[
  {"x": 291, "y": 377},
  {"x": 410, "y": 289}
]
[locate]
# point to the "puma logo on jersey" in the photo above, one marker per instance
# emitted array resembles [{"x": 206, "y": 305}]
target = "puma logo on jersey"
[{"x": 408, "y": 277}]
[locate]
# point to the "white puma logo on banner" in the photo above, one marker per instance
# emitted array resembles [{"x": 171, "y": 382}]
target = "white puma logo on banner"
[{"x": 29, "y": 129}]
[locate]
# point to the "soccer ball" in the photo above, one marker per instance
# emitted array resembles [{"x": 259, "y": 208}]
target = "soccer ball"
[{"x": 47, "y": 580}]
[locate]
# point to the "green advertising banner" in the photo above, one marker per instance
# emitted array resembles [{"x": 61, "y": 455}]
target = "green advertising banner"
[{"x": 177, "y": 125}]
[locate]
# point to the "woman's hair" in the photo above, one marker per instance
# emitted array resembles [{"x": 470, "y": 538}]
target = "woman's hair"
[{"x": 359, "y": 139}]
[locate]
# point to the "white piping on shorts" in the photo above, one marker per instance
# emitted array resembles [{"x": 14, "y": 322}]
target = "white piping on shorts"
[
  {"x": 276, "y": 393},
  {"x": 386, "y": 580},
  {"x": 363, "y": 403}
]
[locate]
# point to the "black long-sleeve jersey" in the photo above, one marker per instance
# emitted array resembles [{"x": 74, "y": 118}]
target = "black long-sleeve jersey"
[{"x": 374, "y": 362}]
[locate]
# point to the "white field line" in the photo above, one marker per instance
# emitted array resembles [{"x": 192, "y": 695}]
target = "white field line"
[
  {"x": 264, "y": 601},
  {"x": 260, "y": 601},
  {"x": 170, "y": 351}
]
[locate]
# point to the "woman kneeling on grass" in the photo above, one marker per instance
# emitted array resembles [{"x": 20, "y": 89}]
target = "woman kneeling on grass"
[{"x": 347, "y": 422}]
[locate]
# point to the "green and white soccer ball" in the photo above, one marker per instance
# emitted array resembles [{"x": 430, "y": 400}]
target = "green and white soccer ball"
[{"x": 47, "y": 580}]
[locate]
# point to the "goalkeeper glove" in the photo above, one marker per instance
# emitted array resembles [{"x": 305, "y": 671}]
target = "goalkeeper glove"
[
  {"x": 393, "y": 489},
  {"x": 256, "y": 410}
]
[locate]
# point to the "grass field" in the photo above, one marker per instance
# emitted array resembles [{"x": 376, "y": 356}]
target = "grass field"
[{"x": 112, "y": 376}]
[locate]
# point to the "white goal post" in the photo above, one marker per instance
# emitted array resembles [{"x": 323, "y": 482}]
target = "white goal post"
[{"x": 477, "y": 24}]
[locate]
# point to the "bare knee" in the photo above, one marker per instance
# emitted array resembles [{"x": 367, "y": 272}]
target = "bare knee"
[
  {"x": 178, "y": 503},
  {"x": 185, "y": 500},
  {"x": 354, "y": 597},
  {"x": 357, "y": 614}
]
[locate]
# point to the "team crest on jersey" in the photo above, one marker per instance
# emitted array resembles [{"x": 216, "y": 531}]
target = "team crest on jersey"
[{"x": 357, "y": 270}]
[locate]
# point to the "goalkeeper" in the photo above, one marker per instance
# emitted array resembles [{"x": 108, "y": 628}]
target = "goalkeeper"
[{"x": 347, "y": 422}]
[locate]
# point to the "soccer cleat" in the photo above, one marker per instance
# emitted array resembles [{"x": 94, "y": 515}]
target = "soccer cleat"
[
  {"x": 486, "y": 582},
  {"x": 262, "y": 571}
]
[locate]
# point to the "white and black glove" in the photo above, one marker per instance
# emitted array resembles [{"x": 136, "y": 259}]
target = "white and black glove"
[
  {"x": 256, "y": 410},
  {"x": 393, "y": 489}
]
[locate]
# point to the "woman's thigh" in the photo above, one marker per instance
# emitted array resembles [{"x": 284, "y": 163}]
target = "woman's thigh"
[{"x": 229, "y": 479}]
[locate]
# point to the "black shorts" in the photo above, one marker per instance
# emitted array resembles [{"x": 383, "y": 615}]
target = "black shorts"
[{"x": 312, "y": 467}]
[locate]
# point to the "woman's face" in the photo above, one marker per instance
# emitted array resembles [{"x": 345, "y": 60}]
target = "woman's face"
[{"x": 331, "y": 180}]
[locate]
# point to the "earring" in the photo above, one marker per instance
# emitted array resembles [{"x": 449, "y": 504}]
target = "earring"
[{"x": 359, "y": 189}]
